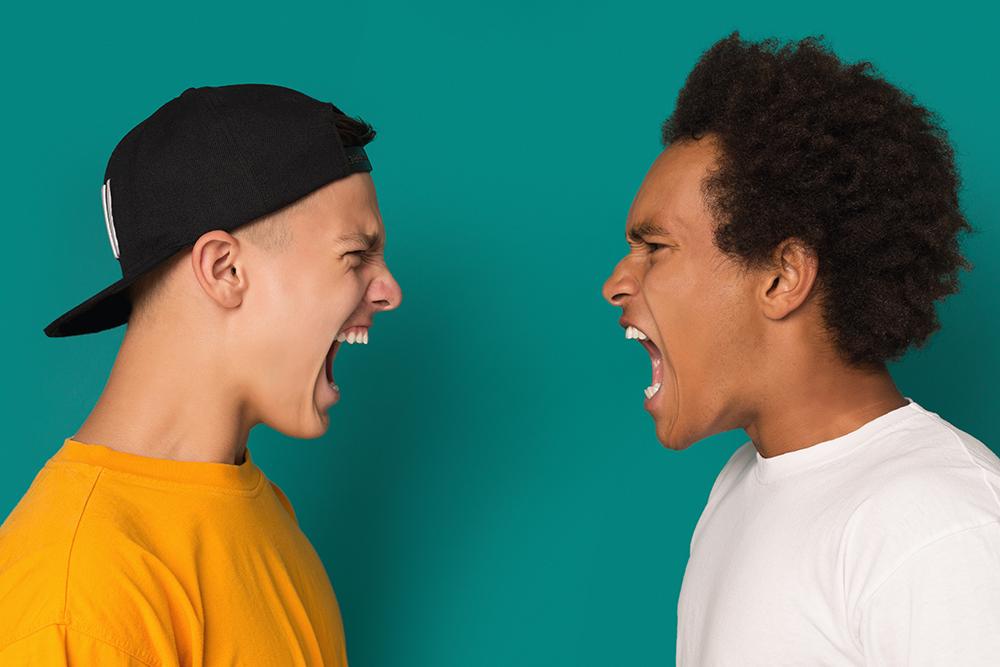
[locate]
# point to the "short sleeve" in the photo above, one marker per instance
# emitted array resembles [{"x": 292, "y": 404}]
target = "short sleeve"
[
  {"x": 58, "y": 645},
  {"x": 941, "y": 606}
]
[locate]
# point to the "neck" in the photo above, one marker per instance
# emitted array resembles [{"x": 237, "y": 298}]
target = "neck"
[
  {"x": 813, "y": 401},
  {"x": 165, "y": 398}
]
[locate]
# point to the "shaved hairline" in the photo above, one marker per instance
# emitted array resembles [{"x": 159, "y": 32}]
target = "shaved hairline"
[{"x": 269, "y": 232}]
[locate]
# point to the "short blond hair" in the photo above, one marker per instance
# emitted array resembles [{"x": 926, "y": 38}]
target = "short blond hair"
[{"x": 270, "y": 233}]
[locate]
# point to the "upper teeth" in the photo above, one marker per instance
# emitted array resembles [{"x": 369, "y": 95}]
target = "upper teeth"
[
  {"x": 632, "y": 332},
  {"x": 354, "y": 335},
  {"x": 651, "y": 390}
]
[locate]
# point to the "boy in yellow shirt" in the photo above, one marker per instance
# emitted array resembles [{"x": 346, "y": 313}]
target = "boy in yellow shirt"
[{"x": 248, "y": 233}]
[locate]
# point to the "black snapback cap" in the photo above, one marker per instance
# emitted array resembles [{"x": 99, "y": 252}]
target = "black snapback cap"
[{"x": 214, "y": 157}]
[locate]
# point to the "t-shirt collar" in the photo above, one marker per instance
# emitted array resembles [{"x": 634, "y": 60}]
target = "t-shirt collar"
[
  {"x": 772, "y": 468},
  {"x": 243, "y": 477}
]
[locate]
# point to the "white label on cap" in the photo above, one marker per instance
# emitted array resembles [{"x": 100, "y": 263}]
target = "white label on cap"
[{"x": 109, "y": 218}]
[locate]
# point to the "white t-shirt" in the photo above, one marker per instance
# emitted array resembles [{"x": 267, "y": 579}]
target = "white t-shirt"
[{"x": 880, "y": 547}]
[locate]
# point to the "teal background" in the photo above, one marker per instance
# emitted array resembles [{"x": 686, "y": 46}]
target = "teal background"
[{"x": 491, "y": 491}]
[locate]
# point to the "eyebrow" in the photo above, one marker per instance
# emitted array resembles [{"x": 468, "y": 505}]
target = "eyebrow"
[{"x": 645, "y": 228}]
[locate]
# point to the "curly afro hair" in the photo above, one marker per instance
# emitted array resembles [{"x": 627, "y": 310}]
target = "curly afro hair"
[{"x": 835, "y": 156}]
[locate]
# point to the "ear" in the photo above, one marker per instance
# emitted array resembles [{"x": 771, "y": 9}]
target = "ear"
[
  {"x": 788, "y": 281},
  {"x": 214, "y": 261}
]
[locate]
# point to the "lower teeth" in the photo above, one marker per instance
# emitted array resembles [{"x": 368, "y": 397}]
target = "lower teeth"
[{"x": 651, "y": 391}]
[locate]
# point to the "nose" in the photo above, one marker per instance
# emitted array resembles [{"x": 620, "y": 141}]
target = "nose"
[
  {"x": 384, "y": 292},
  {"x": 620, "y": 285}
]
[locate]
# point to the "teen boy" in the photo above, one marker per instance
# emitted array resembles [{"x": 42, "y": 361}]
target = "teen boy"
[{"x": 251, "y": 248}]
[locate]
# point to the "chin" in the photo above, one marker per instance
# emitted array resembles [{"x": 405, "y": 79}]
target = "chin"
[
  {"x": 313, "y": 426},
  {"x": 671, "y": 434},
  {"x": 310, "y": 433},
  {"x": 678, "y": 435},
  {"x": 675, "y": 444}
]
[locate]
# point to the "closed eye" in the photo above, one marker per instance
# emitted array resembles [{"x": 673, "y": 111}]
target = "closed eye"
[
  {"x": 652, "y": 248},
  {"x": 366, "y": 255}
]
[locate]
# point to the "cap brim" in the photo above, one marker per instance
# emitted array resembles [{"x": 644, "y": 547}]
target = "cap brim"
[{"x": 107, "y": 309}]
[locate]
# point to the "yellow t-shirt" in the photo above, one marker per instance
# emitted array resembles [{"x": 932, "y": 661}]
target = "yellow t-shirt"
[{"x": 113, "y": 558}]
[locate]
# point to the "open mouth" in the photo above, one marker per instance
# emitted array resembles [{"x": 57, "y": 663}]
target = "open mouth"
[
  {"x": 634, "y": 333},
  {"x": 354, "y": 335}
]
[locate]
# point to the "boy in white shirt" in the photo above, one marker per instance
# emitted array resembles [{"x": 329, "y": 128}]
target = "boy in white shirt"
[{"x": 792, "y": 238}]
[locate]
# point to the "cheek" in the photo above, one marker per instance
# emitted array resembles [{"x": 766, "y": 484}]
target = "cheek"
[
  {"x": 701, "y": 319},
  {"x": 674, "y": 300},
  {"x": 342, "y": 293},
  {"x": 305, "y": 306}
]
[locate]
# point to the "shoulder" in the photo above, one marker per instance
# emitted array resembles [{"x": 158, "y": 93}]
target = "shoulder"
[
  {"x": 123, "y": 588},
  {"x": 48, "y": 512},
  {"x": 928, "y": 472},
  {"x": 918, "y": 485},
  {"x": 36, "y": 542},
  {"x": 965, "y": 447},
  {"x": 75, "y": 563},
  {"x": 66, "y": 590}
]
